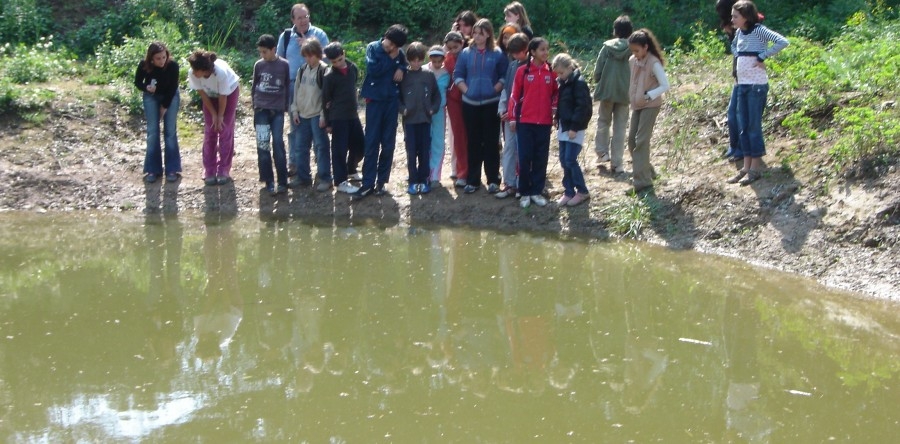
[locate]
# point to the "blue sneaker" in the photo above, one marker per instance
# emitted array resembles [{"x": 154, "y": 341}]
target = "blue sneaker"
[
  {"x": 424, "y": 188},
  {"x": 413, "y": 189}
]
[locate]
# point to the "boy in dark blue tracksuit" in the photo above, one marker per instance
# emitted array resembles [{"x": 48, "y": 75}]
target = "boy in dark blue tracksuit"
[{"x": 385, "y": 66}]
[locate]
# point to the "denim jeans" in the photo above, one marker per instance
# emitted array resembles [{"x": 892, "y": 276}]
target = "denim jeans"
[
  {"x": 153, "y": 161},
  {"x": 751, "y": 101},
  {"x": 308, "y": 134},
  {"x": 734, "y": 134},
  {"x": 573, "y": 178},
  {"x": 418, "y": 151},
  {"x": 270, "y": 134}
]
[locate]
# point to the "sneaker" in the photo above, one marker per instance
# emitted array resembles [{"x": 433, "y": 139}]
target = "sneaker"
[
  {"x": 323, "y": 186},
  {"x": 150, "y": 178},
  {"x": 525, "y": 202},
  {"x": 210, "y": 181},
  {"x": 270, "y": 188},
  {"x": 380, "y": 190},
  {"x": 563, "y": 200},
  {"x": 616, "y": 170},
  {"x": 356, "y": 177},
  {"x": 578, "y": 198},
  {"x": 281, "y": 189},
  {"x": 539, "y": 200},
  {"x": 604, "y": 158},
  {"x": 362, "y": 192},
  {"x": 469, "y": 189},
  {"x": 505, "y": 192},
  {"x": 460, "y": 183},
  {"x": 173, "y": 177},
  {"x": 413, "y": 189},
  {"x": 346, "y": 187},
  {"x": 424, "y": 188},
  {"x": 493, "y": 188},
  {"x": 222, "y": 180},
  {"x": 296, "y": 182}
]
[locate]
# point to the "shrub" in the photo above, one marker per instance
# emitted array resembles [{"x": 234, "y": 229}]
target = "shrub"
[
  {"x": 24, "y": 21},
  {"x": 36, "y": 63}
]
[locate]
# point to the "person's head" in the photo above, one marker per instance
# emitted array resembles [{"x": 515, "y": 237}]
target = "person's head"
[
  {"x": 744, "y": 15},
  {"x": 300, "y": 17},
  {"x": 335, "y": 53},
  {"x": 311, "y": 50},
  {"x": 483, "y": 34},
  {"x": 415, "y": 55},
  {"x": 454, "y": 42},
  {"x": 157, "y": 56},
  {"x": 506, "y": 31},
  {"x": 564, "y": 65},
  {"x": 464, "y": 22},
  {"x": 622, "y": 27},
  {"x": 539, "y": 50},
  {"x": 265, "y": 45},
  {"x": 515, "y": 13},
  {"x": 394, "y": 38},
  {"x": 436, "y": 56},
  {"x": 723, "y": 10},
  {"x": 517, "y": 46},
  {"x": 642, "y": 42},
  {"x": 203, "y": 63}
]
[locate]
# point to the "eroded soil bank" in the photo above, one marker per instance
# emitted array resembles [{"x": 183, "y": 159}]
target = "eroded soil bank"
[{"x": 843, "y": 232}]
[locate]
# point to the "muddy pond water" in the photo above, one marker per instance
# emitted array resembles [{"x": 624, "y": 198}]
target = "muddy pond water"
[{"x": 116, "y": 328}]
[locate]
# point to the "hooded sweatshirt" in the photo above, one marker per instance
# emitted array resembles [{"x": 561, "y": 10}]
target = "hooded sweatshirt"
[{"x": 611, "y": 72}]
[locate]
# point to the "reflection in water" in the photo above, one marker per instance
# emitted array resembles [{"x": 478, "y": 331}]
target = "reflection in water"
[{"x": 269, "y": 330}]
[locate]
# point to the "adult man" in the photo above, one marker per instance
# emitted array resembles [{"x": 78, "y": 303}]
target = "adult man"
[{"x": 289, "y": 43}]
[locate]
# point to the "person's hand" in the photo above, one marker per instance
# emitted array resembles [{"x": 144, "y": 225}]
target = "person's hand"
[
  {"x": 322, "y": 123},
  {"x": 398, "y": 75},
  {"x": 759, "y": 64},
  {"x": 572, "y": 134},
  {"x": 218, "y": 123},
  {"x": 512, "y": 125},
  {"x": 151, "y": 88},
  {"x": 328, "y": 130},
  {"x": 504, "y": 117},
  {"x": 296, "y": 119}
]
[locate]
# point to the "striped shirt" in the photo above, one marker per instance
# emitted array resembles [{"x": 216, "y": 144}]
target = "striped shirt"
[{"x": 752, "y": 47}]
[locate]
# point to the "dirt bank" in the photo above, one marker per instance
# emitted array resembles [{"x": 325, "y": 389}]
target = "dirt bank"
[{"x": 88, "y": 154}]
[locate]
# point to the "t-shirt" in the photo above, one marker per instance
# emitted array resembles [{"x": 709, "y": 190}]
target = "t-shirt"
[
  {"x": 222, "y": 82},
  {"x": 271, "y": 84}
]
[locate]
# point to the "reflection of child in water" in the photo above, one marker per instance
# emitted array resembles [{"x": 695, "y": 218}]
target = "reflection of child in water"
[{"x": 222, "y": 306}]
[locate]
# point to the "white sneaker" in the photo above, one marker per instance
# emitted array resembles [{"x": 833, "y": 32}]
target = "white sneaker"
[
  {"x": 525, "y": 202},
  {"x": 346, "y": 187},
  {"x": 460, "y": 183},
  {"x": 356, "y": 177},
  {"x": 539, "y": 200},
  {"x": 604, "y": 158}
]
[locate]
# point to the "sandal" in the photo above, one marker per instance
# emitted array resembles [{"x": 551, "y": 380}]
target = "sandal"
[
  {"x": 737, "y": 177},
  {"x": 752, "y": 176}
]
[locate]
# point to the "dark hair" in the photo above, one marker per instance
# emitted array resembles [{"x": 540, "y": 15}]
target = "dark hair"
[
  {"x": 416, "y": 51},
  {"x": 535, "y": 43},
  {"x": 485, "y": 26},
  {"x": 152, "y": 50},
  {"x": 266, "y": 41},
  {"x": 622, "y": 27},
  {"x": 312, "y": 46},
  {"x": 723, "y": 9},
  {"x": 397, "y": 34},
  {"x": 334, "y": 50},
  {"x": 644, "y": 37},
  {"x": 467, "y": 17},
  {"x": 201, "y": 60},
  {"x": 454, "y": 36},
  {"x": 517, "y": 43},
  {"x": 747, "y": 10}
]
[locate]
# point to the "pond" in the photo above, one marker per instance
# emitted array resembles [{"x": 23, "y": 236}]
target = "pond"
[{"x": 115, "y": 328}]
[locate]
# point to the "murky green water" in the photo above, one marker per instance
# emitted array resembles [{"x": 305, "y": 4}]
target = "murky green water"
[{"x": 115, "y": 329}]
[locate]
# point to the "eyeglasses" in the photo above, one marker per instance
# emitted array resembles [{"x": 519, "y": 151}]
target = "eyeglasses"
[{"x": 303, "y": 16}]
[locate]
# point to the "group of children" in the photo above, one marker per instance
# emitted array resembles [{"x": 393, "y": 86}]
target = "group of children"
[{"x": 492, "y": 89}]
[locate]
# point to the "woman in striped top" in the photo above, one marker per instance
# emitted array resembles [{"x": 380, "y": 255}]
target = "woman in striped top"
[{"x": 751, "y": 49}]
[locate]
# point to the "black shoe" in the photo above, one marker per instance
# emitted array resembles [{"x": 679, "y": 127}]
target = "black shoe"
[
  {"x": 362, "y": 192},
  {"x": 469, "y": 189},
  {"x": 380, "y": 190}
]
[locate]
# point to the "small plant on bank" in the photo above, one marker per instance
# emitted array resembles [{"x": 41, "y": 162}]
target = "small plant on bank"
[{"x": 628, "y": 216}]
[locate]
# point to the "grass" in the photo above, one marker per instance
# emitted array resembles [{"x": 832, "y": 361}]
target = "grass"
[{"x": 628, "y": 216}]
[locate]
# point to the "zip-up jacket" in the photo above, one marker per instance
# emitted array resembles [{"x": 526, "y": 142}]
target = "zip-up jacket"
[
  {"x": 419, "y": 97},
  {"x": 534, "y": 95},
  {"x": 611, "y": 72},
  {"x": 481, "y": 70},
  {"x": 339, "y": 96},
  {"x": 575, "y": 106},
  {"x": 379, "y": 85}
]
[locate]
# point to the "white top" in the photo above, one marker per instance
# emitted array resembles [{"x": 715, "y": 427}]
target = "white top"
[{"x": 222, "y": 82}]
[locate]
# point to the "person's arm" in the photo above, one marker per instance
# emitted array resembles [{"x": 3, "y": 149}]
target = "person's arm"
[
  {"x": 170, "y": 89},
  {"x": 378, "y": 62},
  {"x": 139, "y": 76},
  {"x": 460, "y": 72},
  {"x": 778, "y": 43},
  {"x": 500, "y": 72},
  {"x": 660, "y": 75},
  {"x": 207, "y": 104},
  {"x": 514, "y": 95},
  {"x": 295, "y": 106},
  {"x": 598, "y": 66},
  {"x": 435, "y": 96},
  {"x": 253, "y": 84}
]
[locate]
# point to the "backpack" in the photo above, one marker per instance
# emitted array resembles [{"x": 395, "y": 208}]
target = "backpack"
[{"x": 285, "y": 39}]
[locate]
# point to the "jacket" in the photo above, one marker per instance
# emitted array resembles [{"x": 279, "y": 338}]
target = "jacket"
[
  {"x": 534, "y": 95},
  {"x": 379, "y": 85},
  {"x": 419, "y": 97},
  {"x": 611, "y": 72},
  {"x": 166, "y": 81},
  {"x": 647, "y": 78},
  {"x": 481, "y": 70},
  {"x": 575, "y": 106},
  {"x": 339, "y": 97}
]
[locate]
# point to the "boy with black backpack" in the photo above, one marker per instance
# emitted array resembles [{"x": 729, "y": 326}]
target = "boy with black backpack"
[{"x": 307, "y": 115}]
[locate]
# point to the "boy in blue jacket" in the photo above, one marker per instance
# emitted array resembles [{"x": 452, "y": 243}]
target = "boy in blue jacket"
[{"x": 385, "y": 67}]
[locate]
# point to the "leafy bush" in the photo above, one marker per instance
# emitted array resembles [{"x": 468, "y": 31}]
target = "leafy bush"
[
  {"x": 112, "y": 61},
  {"x": 865, "y": 133},
  {"x": 36, "y": 63},
  {"x": 24, "y": 21}
]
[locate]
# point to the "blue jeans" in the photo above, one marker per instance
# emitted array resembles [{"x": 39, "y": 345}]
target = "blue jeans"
[
  {"x": 734, "y": 134},
  {"x": 308, "y": 134},
  {"x": 270, "y": 129},
  {"x": 573, "y": 178},
  {"x": 153, "y": 161},
  {"x": 381, "y": 136},
  {"x": 751, "y": 102}
]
